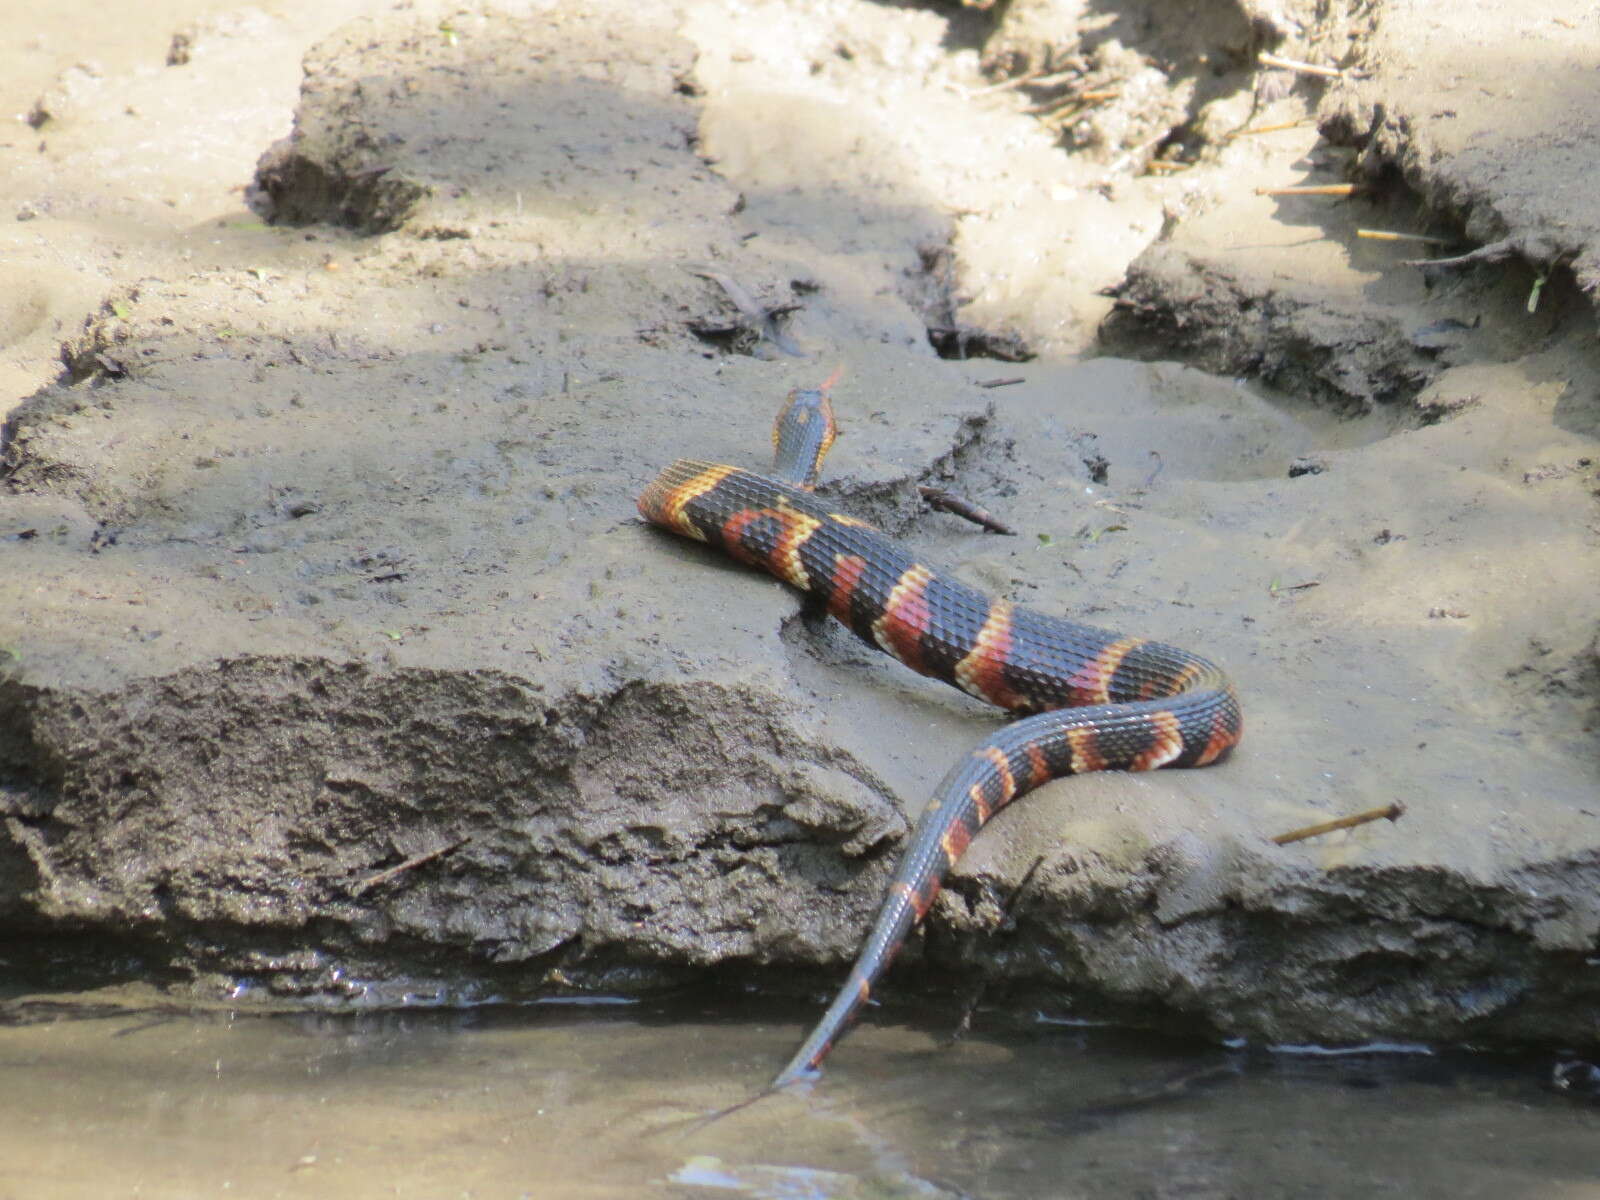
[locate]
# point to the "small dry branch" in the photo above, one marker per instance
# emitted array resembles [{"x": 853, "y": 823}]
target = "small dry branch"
[
  {"x": 960, "y": 506},
  {"x": 1302, "y": 68},
  {"x": 1390, "y": 235},
  {"x": 1312, "y": 189},
  {"x": 1493, "y": 252},
  {"x": 410, "y": 864},
  {"x": 1392, "y": 812},
  {"x": 1277, "y": 128}
]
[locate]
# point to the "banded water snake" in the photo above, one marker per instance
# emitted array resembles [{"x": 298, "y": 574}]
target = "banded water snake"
[{"x": 1090, "y": 700}]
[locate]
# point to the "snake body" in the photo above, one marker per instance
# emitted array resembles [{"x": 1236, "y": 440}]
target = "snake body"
[{"x": 1090, "y": 700}]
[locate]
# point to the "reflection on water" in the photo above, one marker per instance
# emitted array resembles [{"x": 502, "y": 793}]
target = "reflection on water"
[{"x": 104, "y": 1097}]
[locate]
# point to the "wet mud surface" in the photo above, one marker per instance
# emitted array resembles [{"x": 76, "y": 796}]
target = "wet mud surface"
[{"x": 335, "y": 665}]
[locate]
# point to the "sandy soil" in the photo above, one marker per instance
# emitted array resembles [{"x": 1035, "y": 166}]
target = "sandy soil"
[{"x": 317, "y": 555}]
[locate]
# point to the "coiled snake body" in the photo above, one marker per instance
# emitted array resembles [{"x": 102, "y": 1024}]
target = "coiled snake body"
[{"x": 1091, "y": 700}]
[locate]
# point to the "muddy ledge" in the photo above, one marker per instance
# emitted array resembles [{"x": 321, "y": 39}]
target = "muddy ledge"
[{"x": 344, "y": 672}]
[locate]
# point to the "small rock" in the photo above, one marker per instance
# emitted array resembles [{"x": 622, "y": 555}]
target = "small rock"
[{"x": 1306, "y": 465}]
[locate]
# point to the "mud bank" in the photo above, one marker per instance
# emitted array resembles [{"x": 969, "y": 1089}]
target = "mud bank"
[{"x": 338, "y": 668}]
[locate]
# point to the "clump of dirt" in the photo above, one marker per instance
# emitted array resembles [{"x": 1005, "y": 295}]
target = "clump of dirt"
[
  {"x": 1499, "y": 165},
  {"x": 522, "y": 106},
  {"x": 1433, "y": 189},
  {"x": 1298, "y": 340},
  {"x": 419, "y": 796}
]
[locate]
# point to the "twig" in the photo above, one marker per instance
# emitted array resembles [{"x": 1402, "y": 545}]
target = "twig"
[
  {"x": 1275, "y": 587},
  {"x": 1058, "y": 78},
  {"x": 1007, "y": 381},
  {"x": 1058, "y": 119},
  {"x": 1389, "y": 235},
  {"x": 1073, "y": 100},
  {"x": 1005, "y": 85},
  {"x": 1131, "y": 155},
  {"x": 1294, "y": 64},
  {"x": 1493, "y": 252},
  {"x": 1278, "y": 128},
  {"x": 410, "y": 864},
  {"x": 949, "y": 502},
  {"x": 1313, "y": 189},
  {"x": 1391, "y": 813},
  {"x": 1162, "y": 164}
]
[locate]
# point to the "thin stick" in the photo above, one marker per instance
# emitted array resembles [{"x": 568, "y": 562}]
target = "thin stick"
[
  {"x": 1392, "y": 813},
  {"x": 1059, "y": 118},
  {"x": 1161, "y": 164},
  {"x": 1313, "y": 189},
  {"x": 1294, "y": 64},
  {"x": 1050, "y": 105},
  {"x": 949, "y": 502},
  {"x": 410, "y": 864},
  {"x": 1073, "y": 101},
  {"x": 1278, "y": 128},
  {"x": 1390, "y": 235},
  {"x": 1016, "y": 81},
  {"x": 1007, "y": 381},
  {"x": 1059, "y": 77},
  {"x": 1131, "y": 155},
  {"x": 1493, "y": 252}
]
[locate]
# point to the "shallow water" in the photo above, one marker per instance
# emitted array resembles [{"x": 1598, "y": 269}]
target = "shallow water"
[{"x": 108, "y": 1098}]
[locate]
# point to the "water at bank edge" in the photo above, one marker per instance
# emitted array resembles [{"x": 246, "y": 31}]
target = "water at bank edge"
[{"x": 109, "y": 1095}]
